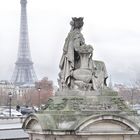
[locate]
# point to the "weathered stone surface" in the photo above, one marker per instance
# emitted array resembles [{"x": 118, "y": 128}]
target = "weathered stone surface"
[
  {"x": 83, "y": 108},
  {"x": 77, "y": 68},
  {"x": 89, "y": 102},
  {"x": 95, "y": 126}
]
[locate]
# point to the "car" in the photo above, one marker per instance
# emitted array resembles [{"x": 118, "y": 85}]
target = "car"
[
  {"x": 1, "y": 115},
  {"x": 14, "y": 113},
  {"x": 26, "y": 111}
]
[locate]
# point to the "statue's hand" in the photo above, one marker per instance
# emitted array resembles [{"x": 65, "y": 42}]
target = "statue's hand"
[{"x": 71, "y": 73}]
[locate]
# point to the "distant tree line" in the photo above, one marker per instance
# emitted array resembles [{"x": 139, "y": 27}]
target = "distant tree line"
[{"x": 42, "y": 90}]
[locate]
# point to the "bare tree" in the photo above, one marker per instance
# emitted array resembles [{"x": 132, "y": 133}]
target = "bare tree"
[{"x": 45, "y": 89}]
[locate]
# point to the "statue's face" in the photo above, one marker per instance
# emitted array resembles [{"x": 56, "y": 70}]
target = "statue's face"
[{"x": 77, "y": 25}]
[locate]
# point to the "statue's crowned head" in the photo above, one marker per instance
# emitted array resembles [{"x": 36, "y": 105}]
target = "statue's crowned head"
[{"x": 77, "y": 23}]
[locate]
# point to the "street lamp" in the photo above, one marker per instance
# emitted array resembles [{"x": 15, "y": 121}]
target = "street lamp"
[
  {"x": 39, "y": 97},
  {"x": 10, "y": 99}
]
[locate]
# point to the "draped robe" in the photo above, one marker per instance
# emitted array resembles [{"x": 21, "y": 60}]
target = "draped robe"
[{"x": 67, "y": 62}]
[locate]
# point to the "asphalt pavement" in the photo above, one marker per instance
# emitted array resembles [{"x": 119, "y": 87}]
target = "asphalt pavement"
[{"x": 11, "y": 129}]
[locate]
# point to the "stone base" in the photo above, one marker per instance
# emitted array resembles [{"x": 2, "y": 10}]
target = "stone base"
[
  {"x": 72, "y": 115},
  {"x": 97, "y": 137},
  {"x": 102, "y": 127}
]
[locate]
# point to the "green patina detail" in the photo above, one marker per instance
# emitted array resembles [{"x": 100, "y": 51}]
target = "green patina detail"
[
  {"x": 67, "y": 112},
  {"x": 108, "y": 101}
]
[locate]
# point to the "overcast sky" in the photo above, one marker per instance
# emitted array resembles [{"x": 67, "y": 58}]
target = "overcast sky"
[{"x": 112, "y": 27}]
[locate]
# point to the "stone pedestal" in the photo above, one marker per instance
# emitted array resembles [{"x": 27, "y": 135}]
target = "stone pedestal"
[{"x": 73, "y": 116}]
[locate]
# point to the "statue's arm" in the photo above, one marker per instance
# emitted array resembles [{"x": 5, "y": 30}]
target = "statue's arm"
[{"x": 76, "y": 43}]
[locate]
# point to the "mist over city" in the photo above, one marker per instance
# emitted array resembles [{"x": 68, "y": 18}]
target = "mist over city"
[
  {"x": 69, "y": 70},
  {"x": 109, "y": 26}
]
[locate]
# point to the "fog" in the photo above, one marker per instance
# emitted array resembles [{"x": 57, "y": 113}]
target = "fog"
[{"x": 112, "y": 27}]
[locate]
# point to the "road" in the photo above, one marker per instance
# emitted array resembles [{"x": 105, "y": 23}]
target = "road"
[{"x": 12, "y": 129}]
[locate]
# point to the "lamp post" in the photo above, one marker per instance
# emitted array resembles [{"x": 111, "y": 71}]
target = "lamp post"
[
  {"x": 10, "y": 99},
  {"x": 39, "y": 89}
]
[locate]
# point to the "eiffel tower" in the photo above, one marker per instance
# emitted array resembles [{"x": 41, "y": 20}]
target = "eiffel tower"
[{"x": 24, "y": 71}]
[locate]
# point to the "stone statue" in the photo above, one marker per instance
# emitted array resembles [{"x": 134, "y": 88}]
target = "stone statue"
[{"x": 77, "y": 69}]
